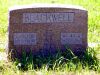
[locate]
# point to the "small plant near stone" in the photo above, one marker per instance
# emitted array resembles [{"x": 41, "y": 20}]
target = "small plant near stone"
[{"x": 60, "y": 61}]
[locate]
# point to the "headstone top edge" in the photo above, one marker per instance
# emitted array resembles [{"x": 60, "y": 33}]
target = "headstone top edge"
[{"x": 46, "y": 6}]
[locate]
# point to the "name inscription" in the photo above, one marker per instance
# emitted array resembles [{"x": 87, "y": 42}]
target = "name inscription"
[
  {"x": 71, "y": 38},
  {"x": 48, "y": 17},
  {"x": 24, "y": 38}
]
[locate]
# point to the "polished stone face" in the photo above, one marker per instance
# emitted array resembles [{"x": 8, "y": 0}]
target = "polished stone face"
[{"x": 46, "y": 29}]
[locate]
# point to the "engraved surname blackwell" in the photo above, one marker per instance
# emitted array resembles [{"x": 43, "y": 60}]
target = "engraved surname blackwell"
[{"x": 48, "y": 17}]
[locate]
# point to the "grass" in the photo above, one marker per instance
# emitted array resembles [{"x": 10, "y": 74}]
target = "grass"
[
  {"x": 60, "y": 61},
  {"x": 59, "y": 65}
]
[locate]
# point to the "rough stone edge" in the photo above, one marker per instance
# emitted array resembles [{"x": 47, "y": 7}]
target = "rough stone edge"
[{"x": 38, "y": 5}]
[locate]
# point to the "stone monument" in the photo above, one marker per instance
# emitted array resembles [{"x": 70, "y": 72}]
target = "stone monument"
[{"x": 45, "y": 28}]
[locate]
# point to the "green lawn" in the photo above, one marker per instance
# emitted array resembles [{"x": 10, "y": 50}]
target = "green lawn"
[{"x": 93, "y": 7}]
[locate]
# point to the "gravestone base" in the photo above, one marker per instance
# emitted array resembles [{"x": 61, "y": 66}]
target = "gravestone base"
[{"x": 19, "y": 52}]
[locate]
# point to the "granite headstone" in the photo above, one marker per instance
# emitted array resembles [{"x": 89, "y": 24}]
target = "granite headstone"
[{"x": 46, "y": 28}]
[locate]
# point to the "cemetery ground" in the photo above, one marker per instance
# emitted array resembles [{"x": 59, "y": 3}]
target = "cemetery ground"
[{"x": 58, "y": 64}]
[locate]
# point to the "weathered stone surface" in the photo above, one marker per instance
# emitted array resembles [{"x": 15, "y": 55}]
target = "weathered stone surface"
[{"x": 46, "y": 28}]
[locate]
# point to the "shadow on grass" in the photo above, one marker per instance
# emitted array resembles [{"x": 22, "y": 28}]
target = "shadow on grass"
[{"x": 60, "y": 61}]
